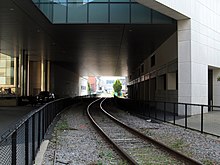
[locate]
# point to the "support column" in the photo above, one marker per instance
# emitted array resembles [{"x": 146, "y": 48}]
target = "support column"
[
  {"x": 184, "y": 61},
  {"x": 23, "y": 67},
  {"x": 45, "y": 75},
  {"x": 48, "y": 76},
  {"x": 192, "y": 72},
  {"x": 28, "y": 75},
  {"x": 16, "y": 76}
]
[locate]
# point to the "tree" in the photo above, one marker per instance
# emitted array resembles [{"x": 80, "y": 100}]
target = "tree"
[
  {"x": 117, "y": 87},
  {"x": 89, "y": 89}
]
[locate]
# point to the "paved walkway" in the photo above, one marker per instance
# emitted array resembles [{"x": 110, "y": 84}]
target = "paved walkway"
[
  {"x": 10, "y": 115},
  {"x": 211, "y": 122}
]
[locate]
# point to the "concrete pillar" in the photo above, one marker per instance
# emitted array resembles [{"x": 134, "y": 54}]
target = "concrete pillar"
[
  {"x": 23, "y": 69},
  {"x": 16, "y": 75},
  {"x": 184, "y": 61},
  {"x": 48, "y": 76},
  {"x": 192, "y": 72},
  {"x": 43, "y": 74}
]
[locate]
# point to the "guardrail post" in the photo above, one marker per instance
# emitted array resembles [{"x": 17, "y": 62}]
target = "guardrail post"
[
  {"x": 185, "y": 115},
  {"x": 33, "y": 137},
  {"x": 202, "y": 119},
  {"x": 26, "y": 142},
  {"x": 43, "y": 122},
  {"x": 46, "y": 118},
  {"x": 14, "y": 148},
  {"x": 144, "y": 107},
  {"x": 39, "y": 133},
  {"x": 54, "y": 110},
  {"x": 164, "y": 108},
  {"x": 174, "y": 113},
  {"x": 155, "y": 110}
]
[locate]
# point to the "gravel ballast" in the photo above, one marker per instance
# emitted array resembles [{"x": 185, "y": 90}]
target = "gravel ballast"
[
  {"x": 199, "y": 146},
  {"x": 75, "y": 141}
]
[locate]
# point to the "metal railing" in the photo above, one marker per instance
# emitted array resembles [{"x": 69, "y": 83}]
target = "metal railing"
[
  {"x": 202, "y": 118},
  {"x": 20, "y": 146}
]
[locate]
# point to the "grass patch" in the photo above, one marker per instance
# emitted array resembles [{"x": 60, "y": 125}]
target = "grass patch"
[
  {"x": 151, "y": 155},
  {"x": 123, "y": 162},
  {"x": 62, "y": 125},
  {"x": 178, "y": 144},
  {"x": 208, "y": 162},
  {"x": 106, "y": 154}
]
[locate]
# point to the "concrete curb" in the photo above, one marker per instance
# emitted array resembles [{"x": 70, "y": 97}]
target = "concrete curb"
[{"x": 40, "y": 155}]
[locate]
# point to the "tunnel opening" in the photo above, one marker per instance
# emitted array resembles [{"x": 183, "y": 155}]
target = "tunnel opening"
[{"x": 103, "y": 86}]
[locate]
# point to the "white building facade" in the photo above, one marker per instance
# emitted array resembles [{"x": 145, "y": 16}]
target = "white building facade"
[{"x": 198, "y": 47}]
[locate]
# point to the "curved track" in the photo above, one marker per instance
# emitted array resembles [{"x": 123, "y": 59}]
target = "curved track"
[{"x": 130, "y": 143}]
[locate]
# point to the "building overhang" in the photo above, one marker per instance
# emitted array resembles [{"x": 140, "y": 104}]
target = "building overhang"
[{"x": 164, "y": 9}]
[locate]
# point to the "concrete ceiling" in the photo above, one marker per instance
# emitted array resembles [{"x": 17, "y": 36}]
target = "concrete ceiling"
[{"x": 84, "y": 49}]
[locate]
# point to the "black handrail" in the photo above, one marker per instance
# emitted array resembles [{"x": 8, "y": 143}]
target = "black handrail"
[
  {"x": 159, "y": 110},
  {"x": 20, "y": 144}
]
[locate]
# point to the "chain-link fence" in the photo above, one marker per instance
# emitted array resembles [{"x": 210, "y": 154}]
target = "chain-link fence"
[{"x": 20, "y": 146}]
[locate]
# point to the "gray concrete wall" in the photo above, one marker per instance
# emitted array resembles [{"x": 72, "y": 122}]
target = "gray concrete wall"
[
  {"x": 64, "y": 82},
  {"x": 165, "y": 64},
  {"x": 198, "y": 44}
]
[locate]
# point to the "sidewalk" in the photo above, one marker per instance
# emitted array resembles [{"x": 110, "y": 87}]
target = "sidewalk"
[{"x": 10, "y": 115}]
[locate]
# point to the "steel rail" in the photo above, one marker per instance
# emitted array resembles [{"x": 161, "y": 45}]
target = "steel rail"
[
  {"x": 119, "y": 149},
  {"x": 173, "y": 152}
]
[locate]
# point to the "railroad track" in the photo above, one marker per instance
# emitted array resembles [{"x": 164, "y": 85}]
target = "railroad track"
[{"x": 134, "y": 146}]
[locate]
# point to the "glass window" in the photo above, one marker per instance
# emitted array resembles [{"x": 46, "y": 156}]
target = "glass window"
[
  {"x": 3, "y": 63},
  {"x": 8, "y": 72},
  {"x": 160, "y": 18},
  {"x": 45, "y": 1},
  {"x": 152, "y": 60},
  {"x": 87, "y": 1},
  {"x": 6, "y": 69},
  {"x": 80, "y": 1},
  {"x": 59, "y": 13},
  {"x": 4, "y": 57},
  {"x": 140, "y": 14},
  {"x": 2, "y": 80},
  {"x": 12, "y": 80},
  {"x": 2, "y": 72},
  {"x": 8, "y": 81},
  {"x": 77, "y": 13},
  {"x": 98, "y": 0},
  {"x": 12, "y": 72},
  {"x": 119, "y": 13},
  {"x": 35, "y": 1},
  {"x": 60, "y": 1},
  {"x": 47, "y": 9},
  {"x": 98, "y": 13},
  {"x": 119, "y": 1}
]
